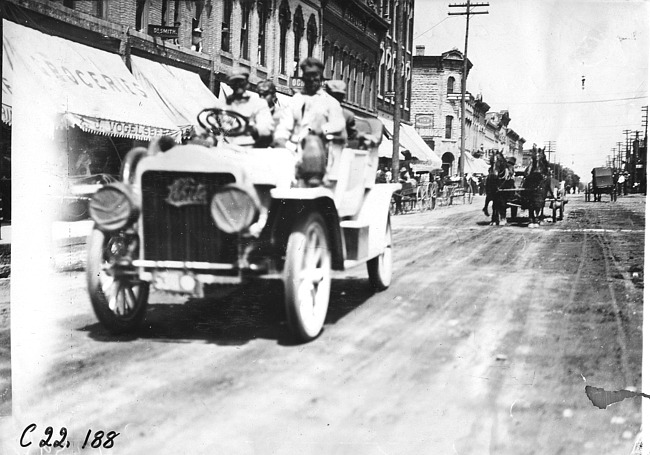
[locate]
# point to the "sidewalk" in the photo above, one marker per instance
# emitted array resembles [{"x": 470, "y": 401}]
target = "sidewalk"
[{"x": 64, "y": 233}]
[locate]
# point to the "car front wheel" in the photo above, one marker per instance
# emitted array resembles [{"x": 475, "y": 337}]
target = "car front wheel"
[
  {"x": 118, "y": 297},
  {"x": 307, "y": 277},
  {"x": 380, "y": 268}
]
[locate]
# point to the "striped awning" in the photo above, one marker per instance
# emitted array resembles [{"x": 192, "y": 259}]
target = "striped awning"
[{"x": 91, "y": 89}]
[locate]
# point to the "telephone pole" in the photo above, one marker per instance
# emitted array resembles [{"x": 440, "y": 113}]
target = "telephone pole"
[
  {"x": 399, "y": 85},
  {"x": 463, "y": 84}
]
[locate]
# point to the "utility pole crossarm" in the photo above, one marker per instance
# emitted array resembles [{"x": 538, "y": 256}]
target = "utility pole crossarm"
[
  {"x": 465, "y": 14},
  {"x": 464, "y": 5}
]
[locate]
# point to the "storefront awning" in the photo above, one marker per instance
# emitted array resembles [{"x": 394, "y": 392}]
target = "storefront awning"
[
  {"x": 411, "y": 141},
  {"x": 179, "y": 93},
  {"x": 475, "y": 165},
  {"x": 92, "y": 89},
  {"x": 6, "y": 91},
  {"x": 386, "y": 148}
]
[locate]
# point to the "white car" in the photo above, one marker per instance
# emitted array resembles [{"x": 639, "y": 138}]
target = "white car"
[{"x": 185, "y": 216}]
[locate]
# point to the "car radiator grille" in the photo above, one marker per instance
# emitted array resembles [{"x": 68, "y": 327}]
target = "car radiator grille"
[{"x": 185, "y": 232}]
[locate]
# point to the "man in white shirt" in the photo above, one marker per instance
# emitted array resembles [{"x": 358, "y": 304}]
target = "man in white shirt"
[
  {"x": 310, "y": 120},
  {"x": 250, "y": 105}
]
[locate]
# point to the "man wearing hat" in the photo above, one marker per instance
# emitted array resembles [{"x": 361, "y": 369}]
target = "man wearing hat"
[
  {"x": 311, "y": 116},
  {"x": 311, "y": 110},
  {"x": 337, "y": 90},
  {"x": 250, "y": 105},
  {"x": 266, "y": 90}
]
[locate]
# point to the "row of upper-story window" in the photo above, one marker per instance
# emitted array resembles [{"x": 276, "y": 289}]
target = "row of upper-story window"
[
  {"x": 387, "y": 9},
  {"x": 251, "y": 14},
  {"x": 358, "y": 74}
]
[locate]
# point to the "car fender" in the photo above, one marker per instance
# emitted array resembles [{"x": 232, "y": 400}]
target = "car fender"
[
  {"x": 289, "y": 204},
  {"x": 374, "y": 213}
]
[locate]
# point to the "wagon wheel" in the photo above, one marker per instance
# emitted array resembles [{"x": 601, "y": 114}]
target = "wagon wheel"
[
  {"x": 420, "y": 198},
  {"x": 427, "y": 197},
  {"x": 393, "y": 205}
]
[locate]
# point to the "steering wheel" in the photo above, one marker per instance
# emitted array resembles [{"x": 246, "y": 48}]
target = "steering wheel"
[{"x": 221, "y": 121}]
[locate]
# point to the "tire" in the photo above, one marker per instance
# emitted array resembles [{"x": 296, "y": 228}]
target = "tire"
[
  {"x": 393, "y": 206},
  {"x": 119, "y": 303},
  {"x": 380, "y": 268},
  {"x": 307, "y": 277}
]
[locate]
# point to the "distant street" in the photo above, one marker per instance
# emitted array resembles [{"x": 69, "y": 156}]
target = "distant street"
[{"x": 484, "y": 343}]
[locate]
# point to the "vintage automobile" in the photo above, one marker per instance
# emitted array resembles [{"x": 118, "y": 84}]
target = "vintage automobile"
[{"x": 186, "y": 216}]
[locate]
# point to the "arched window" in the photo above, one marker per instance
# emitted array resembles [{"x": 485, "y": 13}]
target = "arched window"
[
  {"x": 285, "y": 22},
  {"x": 312, "y": 35},
  {"x": 263, "y": 15},
  {"x": 243, "y": 36},
  {"x": 141, "y": 15},
  {"x": 197, "y": 26},
  {"x": 226, "y": 24},
  {"x": 450, "y": 85},
  {"x": 298, "y": 31},
  {"x": 326, "y": 60},
  {"x": 449, "y": 122}
]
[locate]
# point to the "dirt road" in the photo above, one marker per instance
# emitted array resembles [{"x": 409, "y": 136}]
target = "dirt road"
[{"x": 483, "y": 344}]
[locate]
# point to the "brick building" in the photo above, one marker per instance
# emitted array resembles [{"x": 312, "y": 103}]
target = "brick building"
[
  {"x": 387, "y": 67},
  {"x": 435, "y": 106},
  {"x": 435, "y": 102},
  {"x": 353, "y": 33}
]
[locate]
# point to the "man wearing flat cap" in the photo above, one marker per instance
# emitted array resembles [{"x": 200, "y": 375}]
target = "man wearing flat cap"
[
  {"x": 250, "y": 105},
  {"x": 337, "y": 90},
  {"x": 312, "y": 115}
]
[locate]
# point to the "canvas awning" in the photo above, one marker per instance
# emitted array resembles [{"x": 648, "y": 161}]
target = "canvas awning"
[
  {"x": 410, "y": 140},
  {"x": 475, "y": 165},
  {"x": 386, "y": 148},
  {"x": 179, "y": 93},
  {"x": 6, "y": 91},
  {"x": 92, "y": 89}
]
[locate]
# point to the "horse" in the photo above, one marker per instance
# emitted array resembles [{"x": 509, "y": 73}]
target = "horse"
[
  {"x": 498, "y": 178},
  {"x": 537, "y": 186}
]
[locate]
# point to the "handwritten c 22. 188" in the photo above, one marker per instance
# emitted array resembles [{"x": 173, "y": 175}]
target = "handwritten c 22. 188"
[{"x": 92, "y": 440}]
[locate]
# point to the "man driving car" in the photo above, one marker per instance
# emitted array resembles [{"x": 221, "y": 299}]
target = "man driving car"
[{"x": 250, "y": 105}]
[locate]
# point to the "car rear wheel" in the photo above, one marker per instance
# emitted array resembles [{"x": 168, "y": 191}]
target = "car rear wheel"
[
  {"x": 307, "y": 277},
  {"x": 118, "y": 297},
  {"x": 380, "y": 268}
]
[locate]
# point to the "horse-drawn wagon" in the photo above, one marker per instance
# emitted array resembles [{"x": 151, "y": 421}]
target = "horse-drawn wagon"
[
  {"x": 532, "y": 194},
  {"x": 602, "y": 182}
]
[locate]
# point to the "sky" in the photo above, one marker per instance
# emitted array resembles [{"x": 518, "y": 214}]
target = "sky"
[{"x": 529, "y": 57}]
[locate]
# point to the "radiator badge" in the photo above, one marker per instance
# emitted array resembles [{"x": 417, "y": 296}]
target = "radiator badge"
[{"x": 186, "y": 191}]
